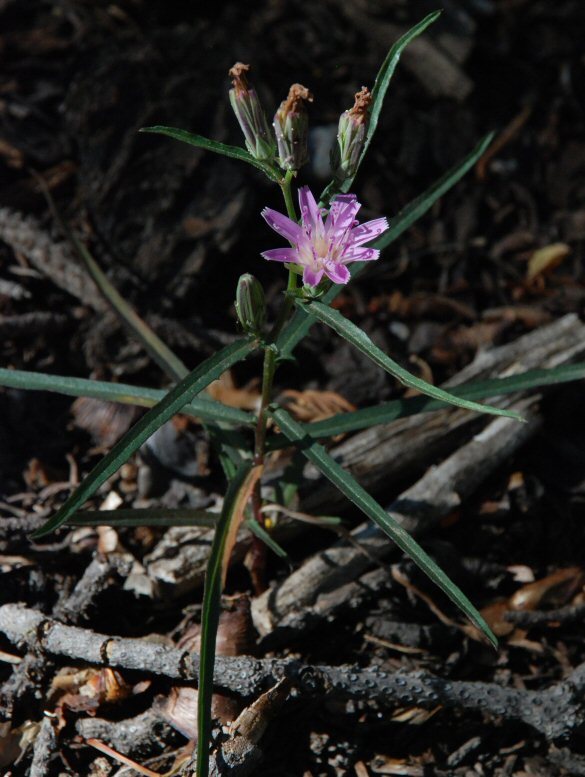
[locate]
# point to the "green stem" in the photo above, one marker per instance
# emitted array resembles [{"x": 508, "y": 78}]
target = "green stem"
[
  {"x": 285, "y": 311},
  {"x": 267, "y": 380},
  {"x": 258, "y": 550},
  {"x": 291, "y": 213}
]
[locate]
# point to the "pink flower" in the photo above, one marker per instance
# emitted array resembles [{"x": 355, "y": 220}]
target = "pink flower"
[{"x": 324, "y": 247}]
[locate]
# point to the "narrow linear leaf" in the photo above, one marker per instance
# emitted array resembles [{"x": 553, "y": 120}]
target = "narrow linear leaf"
[
  {"x": 148, "y": 516},
  {"x": 234, "y": 152},
  {"x": 379, "y": 91},
  {"x": 162, "y": 355},
  {"x": 421, "y": 204},
  {"x": 124, "y": 393},
  {"x": 177, "y": 516},
  {"x": 300, "y": 324},
  {"x": 158, "y": 350},
  {"x": 401, "y": 408},
  {"x": 386, "y": 72},
  {"x": 174, "y": 401},
  {"x": 210, "y": 617},
  {"x": 382, "y": 83},
  {"x": 153, "y": 345},
  {"x": 260, "y": 532},
  {"x": 350, "y": 488},
  {"x": 354, "y": 335},
  {"x": 237, "y": 515}
]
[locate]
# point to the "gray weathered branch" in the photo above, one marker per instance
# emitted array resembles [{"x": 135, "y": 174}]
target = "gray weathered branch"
[{"x": 555, "y": 712}]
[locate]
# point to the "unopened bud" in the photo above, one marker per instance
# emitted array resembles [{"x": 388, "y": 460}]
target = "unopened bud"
[
  {"x": 259, "y": 140},
  {"x": 291, "y": 127},
  {"x": 351, "y": 136},
  {"x": 250, "y": 304}
]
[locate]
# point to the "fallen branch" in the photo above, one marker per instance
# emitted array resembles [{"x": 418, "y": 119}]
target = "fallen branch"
[
  {"x": 44, "y": 749},
  {"x": 328, "y": 580},
  {"x": 385, "y": 453},
  {"x": 555, "y": 712},
  {"x": 396, "y": 451}
]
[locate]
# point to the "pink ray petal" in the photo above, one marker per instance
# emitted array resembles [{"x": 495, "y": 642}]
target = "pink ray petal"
[
  {"x": 367, "y": 231},
  {"x": 342, "y": 213},
  {"x": 310, "y": 213},
  {"x": 355, "y": 254},
  {"x": 312, "y": 277},
  {"x": 282, "y": 224},
  {"x": 281, "y": 255},
  {"x": 337, "y": 272}
]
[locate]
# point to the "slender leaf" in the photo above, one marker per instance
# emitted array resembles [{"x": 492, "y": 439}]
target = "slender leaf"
[
  {"x": 153, "y": 345},
  {"x": 210, "y": 617},
  {"x": 168, "y": 361},
  {"x": 174, "y": 401},
  {"x": 300, "y": 324},
  {"x": 161, "y": 516},
  {"x": 386, "y": 72},
  {"x": 235, "y": 152},
  {"x": 206, "y": 409},
  {"x": 237, "y": 514},
  {"x": 260, "y": 532},
  {"x": 147, "y": 516},
  {"x": 421, "y": 204},
  {"x": 379, "y": 90},
  {"x": 386, "y": 412},
  {"x": 354, "y": 335},
  {"x": 350, "y": 488}
]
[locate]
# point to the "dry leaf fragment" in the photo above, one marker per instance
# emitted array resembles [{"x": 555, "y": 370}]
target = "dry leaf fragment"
[
  {"x": 106, "y": 422},
  {"x": 551, "y": 591},
  {"x": 545, "y": 259},
  {"x": 381, "y": 764},
  {"x": 312, "y": 405},
  {"x": 253, "y": 721},
  {"x": 414, "y": 716},
  {"x": 224, "y": 390}
]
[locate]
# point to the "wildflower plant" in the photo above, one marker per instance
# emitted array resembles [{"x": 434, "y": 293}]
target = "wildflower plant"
[{"x": 322, "y": 246}]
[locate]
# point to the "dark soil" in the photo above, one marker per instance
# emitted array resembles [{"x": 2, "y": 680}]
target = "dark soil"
[{"x": 174, "y": 227}]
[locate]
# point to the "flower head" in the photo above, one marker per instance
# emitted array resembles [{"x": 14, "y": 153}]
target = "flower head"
[
  {"x": 250, "y": 304},
  {"x": 244, "y": 100},
  {"x": 351, "y": 136},
  {"x": 291, "y": 127},
  {"x": 324, "y": 247}
]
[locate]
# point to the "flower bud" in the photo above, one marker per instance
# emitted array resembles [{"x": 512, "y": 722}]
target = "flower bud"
[
  {"x": 250, "y": 304},
  {"x": 291, "y": 126},
  {"x": 351, "y": 136},
  {"x": 259, "y": 140}
]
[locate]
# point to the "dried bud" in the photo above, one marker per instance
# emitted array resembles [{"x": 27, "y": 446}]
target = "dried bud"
[
  {"x": 259, "y": 140},
  {"x": 351, "y": 136},
  {"x": 250, "y": 304},
  {"x": 291, "y": 126}
]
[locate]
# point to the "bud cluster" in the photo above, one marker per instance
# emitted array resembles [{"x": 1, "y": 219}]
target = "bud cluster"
[{"x": 288, "y": 145}]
